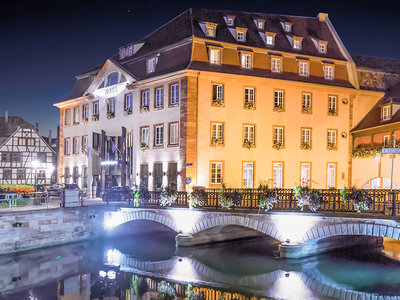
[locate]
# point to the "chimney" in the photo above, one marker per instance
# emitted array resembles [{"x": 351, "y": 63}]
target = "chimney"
[
  {"x": 6, "y": 116},
  {"x": 322, "y": 17},
  {"x": 37, "y": 126}
]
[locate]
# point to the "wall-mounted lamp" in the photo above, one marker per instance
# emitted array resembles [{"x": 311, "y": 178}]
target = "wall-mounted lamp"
[
  {"x": 344, "y": 135},
  {"x": 345, "y": 101}
]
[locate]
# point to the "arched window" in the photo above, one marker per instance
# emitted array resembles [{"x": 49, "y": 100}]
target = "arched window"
[
  {"x": 380, "y": 183},
  {"x": 112, "y": 79}
]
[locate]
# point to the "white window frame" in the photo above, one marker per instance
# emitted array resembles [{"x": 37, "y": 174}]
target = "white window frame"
[
  {"x": 306, "y": 136},
  {"x": 217, "y": 131},
  {"x": 332, "y": 137},
  {"x": 215, "y": 56},
  {"x": 210, "y": 31},
  {"x": 270, "y": 40},
  {"x": 321, "y": 47},
  {"x": 279, "y": 135},
  {"x": 304, "y": 68},
  {"x": 249, "y": 94},
  {"x": 260, "y": 24},
  {"x": 219, "y": 92},
  {"x": 111, "y": 105},
  {"x": 85, "y": 112},
  {"x": 287, "y": 27},
  {"x": 216, "y": 169},
  {"x": 159, "y": 97},
  {"x": 146, "y": 98},
  {"x": 85, "y": 141},
  {"x": 246, "y": 60},
  {"x": 332, "y": 103},
  {"x": 297, "y": 44},
  {"x": 305, "y": 174},
  {"x": 276, "y": 65},
  {"x": 330, "y": 175},
  {"x": 249, "y": 133},
  {"x": 151, "y": 65},
  {"x": 386, "y": 141},
  {"x": 67, "y": 146},
  {"x": 68, "y": 117},
  {"x": 159, "y": 135},
  {"x": 277, "y": 175},
  {"x": 145, "y": 135},
  {"x": 128, "y": 105},
  {"x": 306, "y": 101},
  {"x": 75, "y": 145},
  {"x": 76, "y": 115},
  {"x": 386, "y": 112},
  {"x": 279, "y": 98},
  {"x": 248, "y": 175},
  {"x": 229, "y": 21},
  {"x": 329, "y": 72},
  {"x": 95, "y": 108},
  {"x": 240, "y": 36},
  {"x": 174, "y": 90},
  {"x": 173, "y": 133}
]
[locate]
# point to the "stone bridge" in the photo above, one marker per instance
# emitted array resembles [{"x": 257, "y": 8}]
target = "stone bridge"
[{"x": 299, "y": 234}]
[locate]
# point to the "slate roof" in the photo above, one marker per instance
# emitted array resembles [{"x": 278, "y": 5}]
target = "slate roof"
[
  {"x": 8, "y": 128},
  {"x": 388, "y": 65},
  {"x": 82, "y": 82},
  {"x": 373, "y": 117}
]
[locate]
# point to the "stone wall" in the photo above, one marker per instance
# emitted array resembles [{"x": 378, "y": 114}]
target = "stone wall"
[{"x": 27, "y": 230}]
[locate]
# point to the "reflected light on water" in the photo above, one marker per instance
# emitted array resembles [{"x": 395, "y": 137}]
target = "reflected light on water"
[
  {"x": 113, "y": 257},
  {"x": 185, "y": 220},
  {"x": 292, "y": 227},
  {"x": 112, "y": 219},
  {"x": 290, "y": 286},
  {"x": 183, "y": 270}
]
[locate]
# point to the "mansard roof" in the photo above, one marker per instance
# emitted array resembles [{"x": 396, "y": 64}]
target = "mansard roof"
[
  {"x": 383, "y": 64},
  {"x": 373, "y": 117}
]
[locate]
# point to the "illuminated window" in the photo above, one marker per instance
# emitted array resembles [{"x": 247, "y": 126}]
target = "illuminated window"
[
  {"x": 216, "y": 173},
  {"x": 229, "y": 21},
  {"x": 111, "y": 108},
  {"x": 128, "y": 103},
  {"x": 68, "y": 116},
  {"x": 276, "y": 65},
  {"x": 174, "y": 94},
  {"x": 144, "y": 135},
  {"x": 159, "y": 97},
  {"x": 145, "y": 99},
  {"x": 279, "y": 138},
  {"x": 306, "y": 103},
  {"x": 246, "y": 61},
  {"x": 85, "y": 113},
  {"x": 151, "y": 64},
  {"x": 173, "y": 133},
  {"x": 112, "y": 79},
  {"x": 67, "y": 146},
  {"x": 84, "y": 142},
  {"x": 76, "y": 115},
  {"x": 159, "y": 135},
  {"x": 305, "y": 174},
  {"x": 332, "y": 139},
  {"x": 287, "y": 27},
  {"x": 248, "y": 175},
  {"x": 218, "y": 94},
  {"x": 303, "y": 68},
  {"x": 249, "y": 133},
  {"x": 328, "y": 72},
  {"x": 249, "y": 97},
  {"x": 260, "y": 24},
  {"x": 297, "y": 43},
  {"x": 240, "y": 36},
  {"x": 331, "y": 175},
  {"x": 75, "y": 145},
  {"x": 385, "y": 112},
  {"x": 270, "y": 38},
  {"x": 305, "y": 138},
  {"x": 95, "y": 110},
  {"x": 278, "y": 100},
  {"x": 217, "y": 134},
  {"x": 210, "y": 31},
  {"x": 277, "y": 175},
  {"x": 322, "y": 47},
  {"x": 215, "y": 56},
  {"x": 332, "y": 105},
  {"x": 386, "y": 141}
]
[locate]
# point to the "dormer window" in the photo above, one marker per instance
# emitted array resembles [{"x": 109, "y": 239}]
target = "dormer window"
[
  {"x": 276, "y": 64},
  {"x": 122, "y": 53},
  {"x": 287, "y": 27},
  {"x": 303, "y": 68},
  {"x": 386, "y": 112},
  {"x": 241, "y": 34},
  {"x": 151, "y": 64},
  {"x": 130, "y": 50},
  {"x": 215, "y": 56},
  {"x": 211, "y": 29},
  {"x": 259, "y": 23},
  {"x": 328, "y": 72},
  {"x": 297, "y": 42},
  {"x": 322, "y": 46},
  {"x": 112, "y": 79},
  {"x": 230, "y": 20},
  {"x": 246, "y": 60},
  {"x": 270, "y": 38}
]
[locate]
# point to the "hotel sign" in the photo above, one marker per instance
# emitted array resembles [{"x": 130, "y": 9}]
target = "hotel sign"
[
  {"x": 110, "y": 91},
  {"x": 390, "y": 150}
]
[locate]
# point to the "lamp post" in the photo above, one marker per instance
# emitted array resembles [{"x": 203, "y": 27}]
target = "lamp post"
[{"x": 35, "y": 165}]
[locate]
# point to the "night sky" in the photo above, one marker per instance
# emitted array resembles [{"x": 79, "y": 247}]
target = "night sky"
[{"x": 44, "y": 44}]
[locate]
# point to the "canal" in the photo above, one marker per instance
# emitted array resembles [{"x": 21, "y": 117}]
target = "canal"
[{"x": 149, "y": 267}]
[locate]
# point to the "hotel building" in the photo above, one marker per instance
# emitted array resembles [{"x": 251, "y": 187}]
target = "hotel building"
[{"x": 228, "y": 97}]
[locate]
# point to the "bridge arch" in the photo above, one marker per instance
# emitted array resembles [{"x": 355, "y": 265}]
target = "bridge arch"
[{"x": 258, "y": 224}]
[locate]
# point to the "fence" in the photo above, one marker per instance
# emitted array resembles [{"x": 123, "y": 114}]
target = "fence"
[{"x": 383, "y": 201}]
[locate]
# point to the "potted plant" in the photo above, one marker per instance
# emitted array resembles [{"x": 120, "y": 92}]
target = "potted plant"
[
  {"x": 308, "y": 197},
  {"x": 248, "y": 143},
  {"x": 306, "y": 110},
  {"x": 168, "y": 196},
  {"x": 248, "y": 104},
  {"x": 215, "y": 142},
  {"x": 332, "y": 112},
  {"x": 360, "y": 199},
  {"x": 95, "y": 117},
  {"x": 305, "y": 145},
  {"x": 144, "y": 108},
  {"x": 277, "y": 145},
  {"x": 266, "y": 198},
  {"x": 198, "y": 198},
  {"x": 143, "y": 147},
  {"x": 110, "y": 115},
  {"x": 224, "y": 200},
  {"x": 217, "y": 102},
  {"x": 166, "y": 290},
  {"x": 278, "y": 107},
  {"x": 331, "y": 146}
]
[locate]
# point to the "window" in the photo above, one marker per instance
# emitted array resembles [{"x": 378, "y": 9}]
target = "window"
[
  {"x": 303, "y": 68},
  {"x": 210, "y": 31},
  {"x": 130, "y": 50},
  {"x": 246, "y": 61},
  {"x": 287, "y": 27},
  {"x": 305, "y": 138},
  {"x": 111, "y": 108},
  {"x": 270, "y": 38},
  {"x": 305, "y": 174},
  {"x": 229, "y": 21},
  {"x": 85, "y": 177},
  {"x": 322, "y": 47},
  {"x": 128, "y": 103},
  {"x": 260, "y": 24},
  {"x": 85, "y": 113},
  {"x": 21, "y": 174},
  {"x": 145, "y": 100},
  {"x": 67, "y": 146},
  {"x": 84, "y": 142},
  {"x": 277, "y": 175},
  {"x": 75, "y": 145},
  {"x": 386, "y": 141},
  {"x": 297, "y": 43},
  {"x": 159, "y": 93},
  {"x": 173, "y": 133},
  {"x": 306, "y": 103},
  {"x": 75, "y": 175},
  {"x": 68, "y": 117},
  {"x": 174, "y": 94},
  {"x": 276, "y": 65},
  {"x": 332, "y": 139},
  {"x": 144, "y": 135},
  {"x": 151, "y": 65},
  {"x": 248, "y": 175},
  {"x": 26, "y": 142},
  {"x": 278, "y": 100},
  {"x": 332, "y": 105},
  {"x": 215, "y": 56},
  {"x": 96, "y": 140},
  {"x": 240, "y": 36},
  {"x": 76, "y": 115},
  {"x": 159, "y": 136},
  {"x": 249, "y": 97},
  {"x": 11, "y": 157},
  {"x": 95, "y": 111},
  {"x": 217, "y": 134},
  {"x": 6, "y": 157},
  {"x": 279, "y": 140},
  {"x": 112, "y": 79},
  {"x": 41, "y": 157},
  {"x": 249, "y": 138},
  {"x": 158, "y": 175},
  {"x": 216, "y": 173},
  {"x": 173, "y": 175},
  {"x": 144, "y": 175},
  {"x": 331, "y": 175},
  {"x": 386, "y": 112},
  {"x": 328, "y": 72},
  {"x": 218, "y": 94},
  {"x": 7, "y": 174}
]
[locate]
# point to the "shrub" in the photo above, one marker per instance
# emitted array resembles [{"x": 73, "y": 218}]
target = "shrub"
[
  {"x": 23, "y": 190},
  {"x": 144, "y": 194},
  {"x": 360, "y": 199},
  {"x": 198, "y": 198},
  {"x": 225, "y": 200},
  {"x": 307, "y": 196},
  {"x": 168, "y": 196}
]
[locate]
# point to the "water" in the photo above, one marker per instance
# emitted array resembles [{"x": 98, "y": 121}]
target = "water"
[{"x": 149, "y": 267}]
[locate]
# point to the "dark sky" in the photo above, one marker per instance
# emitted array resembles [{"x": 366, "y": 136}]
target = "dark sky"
[{"x": 43, "y": 43}]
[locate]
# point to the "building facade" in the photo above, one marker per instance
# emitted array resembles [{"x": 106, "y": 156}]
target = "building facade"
[
  {"x": 26, "y": 158},
  {"x": 218, "y": 97}
]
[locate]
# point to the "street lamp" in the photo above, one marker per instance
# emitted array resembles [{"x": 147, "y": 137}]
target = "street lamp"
[{"x": 35, "y": 165}]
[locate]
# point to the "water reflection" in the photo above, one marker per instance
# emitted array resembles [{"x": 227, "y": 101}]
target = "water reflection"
[{"x": 151, "y": 268}]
